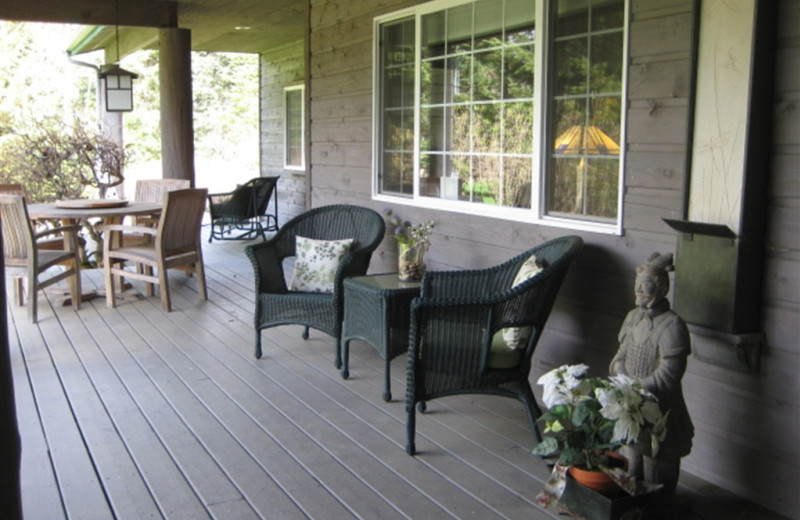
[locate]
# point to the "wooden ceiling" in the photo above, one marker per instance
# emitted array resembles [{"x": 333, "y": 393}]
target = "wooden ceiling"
[{"x": 216, "y": 25}]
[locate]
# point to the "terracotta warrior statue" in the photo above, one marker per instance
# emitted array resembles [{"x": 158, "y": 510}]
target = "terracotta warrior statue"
[{"x": 654, "y": 344}]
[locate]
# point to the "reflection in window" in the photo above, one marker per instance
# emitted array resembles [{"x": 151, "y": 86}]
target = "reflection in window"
[{"x": 465, "y": 130}]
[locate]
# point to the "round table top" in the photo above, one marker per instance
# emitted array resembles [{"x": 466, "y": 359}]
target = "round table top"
[{"x": 58, "y": 210}]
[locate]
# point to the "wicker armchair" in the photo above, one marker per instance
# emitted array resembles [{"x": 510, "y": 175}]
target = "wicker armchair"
[
  {"x": 238, "y": 215},
  {"x": 277, "y": 305},
  {"x": 456, "y": 343}
]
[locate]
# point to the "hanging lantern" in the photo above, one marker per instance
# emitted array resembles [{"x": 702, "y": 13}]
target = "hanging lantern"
[{"x": 118, "y": 85}]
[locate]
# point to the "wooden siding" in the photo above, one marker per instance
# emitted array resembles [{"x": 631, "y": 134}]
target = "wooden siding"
[
  {"x": 742, "y": 421},
  {"x": 137, "y": 413},
  {"x": 281, "y": 67}
]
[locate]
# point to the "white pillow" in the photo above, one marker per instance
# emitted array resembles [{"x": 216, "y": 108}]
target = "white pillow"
[
  {"x": 316, "y": 263},
  {"x": 516, "y": 337}
]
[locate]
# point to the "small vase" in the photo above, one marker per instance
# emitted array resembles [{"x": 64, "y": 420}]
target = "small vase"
[{"x": 410, "y": 262}]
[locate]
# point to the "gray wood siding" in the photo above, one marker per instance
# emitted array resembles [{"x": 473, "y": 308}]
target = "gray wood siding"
[
  {"x": 281, "y": 67},
  {"x": 745, "y": 423}
]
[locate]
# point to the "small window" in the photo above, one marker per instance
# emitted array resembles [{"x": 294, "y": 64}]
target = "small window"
[{"x": 294, "y": 147}]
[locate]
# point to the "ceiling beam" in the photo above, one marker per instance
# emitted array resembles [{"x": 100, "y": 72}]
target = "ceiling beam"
[{"x": 141, "y": 13}]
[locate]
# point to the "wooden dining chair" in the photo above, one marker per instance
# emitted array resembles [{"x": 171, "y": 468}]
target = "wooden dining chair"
[
  {"x": 176, "y": 244},
  {"x": 151, "y": 190},
  {"x": 26, "y": 260}
]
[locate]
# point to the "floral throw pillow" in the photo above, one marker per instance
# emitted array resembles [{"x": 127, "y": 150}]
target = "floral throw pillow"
[
  {"x": 516, "y": 337},
  {"x": 316, "y": 263}
]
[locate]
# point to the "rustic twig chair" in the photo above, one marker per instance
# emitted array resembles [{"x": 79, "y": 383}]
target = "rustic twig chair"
[
  {"x": 176, "y": 244},
  {"x": 238, "y": 215},
  {"x": 277, "y": 304},
  {"x": 457, "y": 336},
  {"x": 25, "y": 259}
]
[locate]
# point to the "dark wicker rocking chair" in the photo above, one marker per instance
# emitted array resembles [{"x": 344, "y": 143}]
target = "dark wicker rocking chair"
[
  {"x": 456, "y": 344},
  {"x": 238, "y": 215},
  {"x": 277, "y": 305}
]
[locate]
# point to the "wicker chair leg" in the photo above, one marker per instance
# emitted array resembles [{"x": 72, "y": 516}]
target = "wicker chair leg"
[
  {"x": 387, "y": 392},
  {"x": 346, "y": 359},
  {"x": 411, "y": 424},
  {"x": 258, "y": 343},
  {"x": 338, "y": 361},
  {"x": 305, "y": 333},
  {"x": 533, "y": 411}
]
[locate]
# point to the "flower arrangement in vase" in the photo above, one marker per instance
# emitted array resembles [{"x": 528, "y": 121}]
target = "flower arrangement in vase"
[
  {"x": 413, "y": 241},
  {"x": 589, "y": 419}
]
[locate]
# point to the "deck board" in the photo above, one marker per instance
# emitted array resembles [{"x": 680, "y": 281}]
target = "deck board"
[{"x": 137, "y": 413}]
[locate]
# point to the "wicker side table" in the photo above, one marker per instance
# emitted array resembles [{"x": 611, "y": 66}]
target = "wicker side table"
[{"x": 376, "y": 310}]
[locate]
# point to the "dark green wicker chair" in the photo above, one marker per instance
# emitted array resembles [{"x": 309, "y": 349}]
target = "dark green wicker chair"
[
  {"x": 455, "y": 346},
  {"x": 238, "y": 215},
  {"x": 277, "y": 305}
]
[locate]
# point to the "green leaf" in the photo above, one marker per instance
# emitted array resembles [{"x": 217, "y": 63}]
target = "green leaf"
[{"x": 547, "y": 447}]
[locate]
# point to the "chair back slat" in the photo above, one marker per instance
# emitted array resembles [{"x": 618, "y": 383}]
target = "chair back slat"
[
  {"x": 179, "y": 227},
  {"x": 153, "y": 190},
  {"x": 17, "y": 231}
]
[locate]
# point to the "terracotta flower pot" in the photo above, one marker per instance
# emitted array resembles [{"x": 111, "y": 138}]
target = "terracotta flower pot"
[{"x": 598, "y": 480}]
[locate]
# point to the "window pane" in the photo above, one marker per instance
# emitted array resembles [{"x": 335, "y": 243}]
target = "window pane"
[
  {"x": 293, "y": 153},
  {"x": 433, "y": 87},
  {"x": 397, "y": 168},
  {"x": 488, "y": 78},
  {"x": 462, "y": 125},
  {"x": 486, "y": 128},
  {"x": 432, "y": 128},
  {"x": 601, "y": 188},
  {"x": 520, "y": 21},
  {"x": 459, "y": 29},
  {"x": 573, "y": 64},
  {"x": 485, "y": 184},
  {"x": 572, "y": 17},
  {"x": 433, "y": 31},
  {"x": 518, "y": 128},
  {"x": 488, "y": 24},
  {"x": 519, "y": 69},
  {"x": 607, "y": 14},
  {"x": 583, "y": 173},
  {"x": 460, "y": 79},
  {"x": 606, "y": 63},
  {"x": 517, "y": 182}
]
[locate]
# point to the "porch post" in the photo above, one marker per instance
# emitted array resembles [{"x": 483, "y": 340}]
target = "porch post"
[{"x": 175, "y": 78}]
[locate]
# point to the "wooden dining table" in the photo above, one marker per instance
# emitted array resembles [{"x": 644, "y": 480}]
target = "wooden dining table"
[{"x": 110, "y": 211}]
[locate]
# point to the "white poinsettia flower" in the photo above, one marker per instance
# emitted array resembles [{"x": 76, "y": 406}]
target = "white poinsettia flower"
[
  {"x": 626, "y": 429},
  {"x": 554, "y": 396},
  {"x": 573, "y": 376},
  {"x": 552, "y": 377},
  {"x": 651, "y": 412},
  {"x": 611, "y": 406}
]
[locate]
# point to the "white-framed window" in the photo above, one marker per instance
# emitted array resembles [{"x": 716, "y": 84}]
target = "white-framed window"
[
  {"x": 294, "y": 137},
  {"x": 507, "y": 108}
]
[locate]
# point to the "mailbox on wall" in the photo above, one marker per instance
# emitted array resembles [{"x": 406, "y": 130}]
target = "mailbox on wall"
[{"x": 717, "y": 291}]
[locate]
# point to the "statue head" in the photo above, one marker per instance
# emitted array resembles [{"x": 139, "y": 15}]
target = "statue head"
[{"x": 652, "y": 280}]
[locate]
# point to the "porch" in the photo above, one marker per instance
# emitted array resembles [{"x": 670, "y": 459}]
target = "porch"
[{"x": 136, "y": 413}]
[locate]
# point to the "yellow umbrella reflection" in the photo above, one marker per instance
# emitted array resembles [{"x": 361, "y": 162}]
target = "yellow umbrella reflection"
[{"x": 582, "y": 141}]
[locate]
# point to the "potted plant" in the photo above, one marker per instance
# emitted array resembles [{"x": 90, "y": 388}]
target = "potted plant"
[
  {"x": 589, "y": 419},
  {"x": 413, "y": 241}
]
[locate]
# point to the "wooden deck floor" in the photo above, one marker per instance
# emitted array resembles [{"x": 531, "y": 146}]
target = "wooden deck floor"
[{"x": 136, "y": 413}]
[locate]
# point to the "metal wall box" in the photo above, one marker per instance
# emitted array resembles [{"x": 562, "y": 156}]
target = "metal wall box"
[{"x": 713, "y": 288}]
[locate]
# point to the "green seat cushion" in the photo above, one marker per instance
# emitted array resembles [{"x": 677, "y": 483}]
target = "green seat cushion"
[{"x": 502, "y": 356}]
